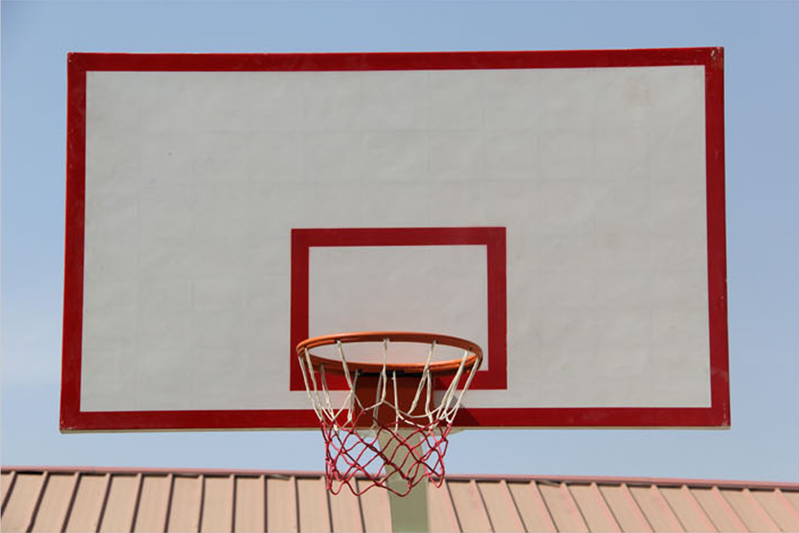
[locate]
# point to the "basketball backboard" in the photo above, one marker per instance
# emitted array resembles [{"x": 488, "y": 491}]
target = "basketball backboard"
[{"x": 564, "y": 210}]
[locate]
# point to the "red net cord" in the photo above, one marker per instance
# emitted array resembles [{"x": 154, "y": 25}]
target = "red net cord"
[{"x": 393, "y": 457}]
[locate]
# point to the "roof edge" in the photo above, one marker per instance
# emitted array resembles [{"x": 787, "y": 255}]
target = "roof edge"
[{"x": 612, "y": 480}]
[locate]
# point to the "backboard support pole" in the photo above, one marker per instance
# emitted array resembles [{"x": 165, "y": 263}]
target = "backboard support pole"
[{"x": 409, "y": 513}]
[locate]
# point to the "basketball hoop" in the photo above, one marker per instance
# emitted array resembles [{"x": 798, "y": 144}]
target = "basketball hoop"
[{"x": 389, "y": 428}]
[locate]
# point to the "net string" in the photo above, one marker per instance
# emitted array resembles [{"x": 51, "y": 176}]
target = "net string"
[{"x": 320, "y": 396}]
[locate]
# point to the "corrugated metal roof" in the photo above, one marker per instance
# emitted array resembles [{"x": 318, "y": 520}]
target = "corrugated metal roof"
[{"x": 122, "y": 499}]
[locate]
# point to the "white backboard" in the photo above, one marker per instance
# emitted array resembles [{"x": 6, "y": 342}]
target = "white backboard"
[{"x": 564, "y": 210}]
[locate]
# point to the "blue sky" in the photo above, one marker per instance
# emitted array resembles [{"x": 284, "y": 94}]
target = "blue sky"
[{"x": 762, "y": 135}]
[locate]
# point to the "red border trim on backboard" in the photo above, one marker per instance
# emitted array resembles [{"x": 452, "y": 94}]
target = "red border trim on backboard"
[
  {"x": 393, "y": 60},
  {"x": 72, "y": 335},
  {"x": 716, "y": 237},
  {"x": 493, "y": 238},
  {"x": 717, "y": 415}
]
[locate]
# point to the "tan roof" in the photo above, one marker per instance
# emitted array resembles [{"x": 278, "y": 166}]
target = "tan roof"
[{"x": 119, "y": 499}]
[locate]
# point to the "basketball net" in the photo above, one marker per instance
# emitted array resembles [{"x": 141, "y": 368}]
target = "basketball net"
[{"x": 387, "y": 431}]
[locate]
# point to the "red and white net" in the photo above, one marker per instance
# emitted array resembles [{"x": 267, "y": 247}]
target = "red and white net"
[{"x": 382, "y": 441}]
